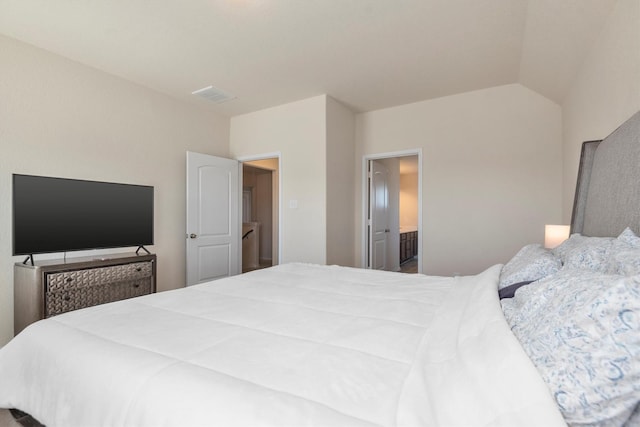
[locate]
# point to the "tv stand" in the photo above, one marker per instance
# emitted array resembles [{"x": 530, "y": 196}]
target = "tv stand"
[
  {"x": 144, "y": 249},
  {"x": 29, "y": 257},
  {"x": 52, "y": 287}
]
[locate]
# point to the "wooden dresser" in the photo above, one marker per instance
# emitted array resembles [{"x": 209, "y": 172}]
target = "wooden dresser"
[{"x": 52, "y": 287}]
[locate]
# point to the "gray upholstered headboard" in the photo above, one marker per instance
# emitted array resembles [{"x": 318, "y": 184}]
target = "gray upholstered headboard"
[{"x": 608, "y": 191}]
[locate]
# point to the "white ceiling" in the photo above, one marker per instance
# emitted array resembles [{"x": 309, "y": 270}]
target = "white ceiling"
[{"x": 368, "y": 54}]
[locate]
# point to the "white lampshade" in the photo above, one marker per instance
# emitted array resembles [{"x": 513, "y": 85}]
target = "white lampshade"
[{"x": 554, "y": 235}]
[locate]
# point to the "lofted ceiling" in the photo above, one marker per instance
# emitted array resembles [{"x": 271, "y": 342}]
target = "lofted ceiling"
[{"x": 368, "y": 54}]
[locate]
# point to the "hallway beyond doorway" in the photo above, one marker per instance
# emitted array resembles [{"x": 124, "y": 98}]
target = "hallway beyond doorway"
[
  {"x": 260, "y": 212},
  {"x": 392, "y": 211}
]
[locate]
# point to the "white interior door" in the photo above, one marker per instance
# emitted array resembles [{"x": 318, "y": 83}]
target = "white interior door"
[
  {"x": 213, "y": 230},
  {"x": 378, "y": 216}
]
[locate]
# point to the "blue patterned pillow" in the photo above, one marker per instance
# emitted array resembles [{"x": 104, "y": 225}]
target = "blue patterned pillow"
[
  {"x": 624, "y": 255},
  {"x": 582, "y": 331},
  {"x": 629, "y": 237},
  {"x": 532, "y": 262},
  {"x": 581, "y": 252},
  {"x": 565, "y": 247},
  {"x": 634, "y": 419}
]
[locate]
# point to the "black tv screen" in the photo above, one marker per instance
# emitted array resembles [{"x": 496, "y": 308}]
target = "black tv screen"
[{"x": 59, "y": 215}]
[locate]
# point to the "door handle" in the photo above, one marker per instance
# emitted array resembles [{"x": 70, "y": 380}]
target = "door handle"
[
  {"x": 193, "y": 236},
  {"x": 387, "y": 230}
]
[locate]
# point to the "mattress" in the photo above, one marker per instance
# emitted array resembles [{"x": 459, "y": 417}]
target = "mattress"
[{"x": 295, "y": 344}]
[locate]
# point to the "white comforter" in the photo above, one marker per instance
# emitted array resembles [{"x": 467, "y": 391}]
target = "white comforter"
[{"x": 291, "y": 345}]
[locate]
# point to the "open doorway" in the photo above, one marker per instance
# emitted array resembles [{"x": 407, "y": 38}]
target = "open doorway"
[
  {"x": 408, "y": 207},
  {"x": 260, "y": 213},
  {"x": 392, "y": 212}
]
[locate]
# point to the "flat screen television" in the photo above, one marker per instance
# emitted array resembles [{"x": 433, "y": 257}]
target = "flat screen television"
[{"x": 60, "y": 215}]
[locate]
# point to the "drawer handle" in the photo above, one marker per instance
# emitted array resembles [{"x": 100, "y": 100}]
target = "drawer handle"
[
  {"x": 69, "y": 279},
  {"x": 139, "y": 269},
  {"x": 137, "y": 285},
  {"x": 67, "y": 298}
]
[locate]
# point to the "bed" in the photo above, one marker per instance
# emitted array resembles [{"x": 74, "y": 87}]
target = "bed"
[{"x": 300, "y": 344}]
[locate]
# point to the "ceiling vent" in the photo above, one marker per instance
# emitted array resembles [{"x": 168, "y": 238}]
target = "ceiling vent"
[{"x": 213, "y": 94}]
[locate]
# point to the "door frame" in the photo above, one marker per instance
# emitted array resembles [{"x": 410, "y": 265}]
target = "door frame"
[
  {"x": 365, "y": 198},
  {"x": 265, "y": 156}
]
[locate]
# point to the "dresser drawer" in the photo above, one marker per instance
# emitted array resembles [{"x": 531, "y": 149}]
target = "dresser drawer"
[
  {"x": 63, "y": 300},
  {"x": 77, "y": 279}
]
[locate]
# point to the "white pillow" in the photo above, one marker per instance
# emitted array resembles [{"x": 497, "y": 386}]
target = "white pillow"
[{"x": 581, "y": 330}]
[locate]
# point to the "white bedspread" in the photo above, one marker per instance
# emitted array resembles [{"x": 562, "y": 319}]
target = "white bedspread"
[{"x": 291, "y": 345}]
